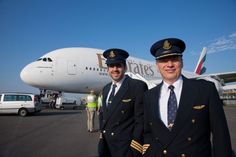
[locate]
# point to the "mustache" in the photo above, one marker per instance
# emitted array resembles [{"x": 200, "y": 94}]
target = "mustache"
[{"x": 115, "y": 71}]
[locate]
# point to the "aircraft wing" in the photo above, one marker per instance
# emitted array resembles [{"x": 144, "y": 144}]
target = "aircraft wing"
[{"x": 227, "y": 77}]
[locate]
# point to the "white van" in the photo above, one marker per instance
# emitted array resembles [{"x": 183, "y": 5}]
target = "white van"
[{"x": 19, "y": 103}]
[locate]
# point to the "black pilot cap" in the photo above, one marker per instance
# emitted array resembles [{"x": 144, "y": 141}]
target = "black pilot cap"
[
  {"x": 115, "y": 55},
  {"x": 167, "y": 47}
]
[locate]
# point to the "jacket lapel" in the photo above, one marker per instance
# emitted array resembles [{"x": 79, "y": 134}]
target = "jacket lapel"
[
  {"x": 105, "y": 94},
  {"x": 162, "y": 130},
  {"x": 155, "y": 102},
  {"x": 116, "y": 100},
  {"x": 184, "y": 110}
]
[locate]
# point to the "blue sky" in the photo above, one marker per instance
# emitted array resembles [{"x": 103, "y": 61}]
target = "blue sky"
[{"x": 31, "y": 28}]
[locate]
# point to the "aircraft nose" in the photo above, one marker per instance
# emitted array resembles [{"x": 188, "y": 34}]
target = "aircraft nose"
[{"x": 25, "y": 75}]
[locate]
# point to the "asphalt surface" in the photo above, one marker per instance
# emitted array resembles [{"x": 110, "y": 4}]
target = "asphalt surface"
[
  {"x": 60, "y": 133},
  {"x": 50, "y": 133}
]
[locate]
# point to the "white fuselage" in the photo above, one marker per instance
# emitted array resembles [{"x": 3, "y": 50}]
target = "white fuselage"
[{"x": 79, "y": 70}]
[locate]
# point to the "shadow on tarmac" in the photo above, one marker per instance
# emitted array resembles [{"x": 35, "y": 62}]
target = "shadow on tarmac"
[{"x": 57, "y": 113}]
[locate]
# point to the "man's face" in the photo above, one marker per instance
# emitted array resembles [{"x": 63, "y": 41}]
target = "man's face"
[
  {"x": 170, "y": 68},
  {"x": 116, "y": 71}
]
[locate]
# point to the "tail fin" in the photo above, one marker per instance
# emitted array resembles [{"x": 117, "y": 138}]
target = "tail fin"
[{"x": 200, "y": 69}]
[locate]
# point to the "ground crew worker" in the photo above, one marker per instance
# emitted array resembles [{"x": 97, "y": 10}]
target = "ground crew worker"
[
  {"x": 59, "y": 100},
  {"x": 91, "y": 109}
]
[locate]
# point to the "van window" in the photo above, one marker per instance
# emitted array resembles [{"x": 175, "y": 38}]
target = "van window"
[
  {"x": 17, "y": 98},
  {"x": 24, "y": 98},
  {"x": 10, "y": 97},
  {"x": 0, "y": 97},
  {"x": 28, "y": 98}
]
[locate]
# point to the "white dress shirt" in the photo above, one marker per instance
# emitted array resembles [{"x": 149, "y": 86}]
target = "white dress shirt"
[
  {"x": 164, "y": 96},
  {"x": 118, "y": 85}
]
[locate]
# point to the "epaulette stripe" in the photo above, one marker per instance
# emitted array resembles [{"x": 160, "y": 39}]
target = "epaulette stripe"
[
  {"x": 145, "y": 147},
  {"x": 135, "y": 142},
  {"x": 139, "y": 147},
  {"x": 136, "y": 146}
]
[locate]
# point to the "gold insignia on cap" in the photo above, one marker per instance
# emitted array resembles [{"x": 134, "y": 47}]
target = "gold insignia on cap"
[
  {"x": 112, "y": 54},
  {"x": 167, "y": 45}
]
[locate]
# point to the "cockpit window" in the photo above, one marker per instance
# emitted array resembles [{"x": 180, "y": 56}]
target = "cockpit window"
[
  {"x": 45, "y": 59},
  {"x": 49, "y": 60}
]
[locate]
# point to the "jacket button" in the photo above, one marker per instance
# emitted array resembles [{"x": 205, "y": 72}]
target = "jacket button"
[
  {"x": 122, "y": 111},
  {"x": 150, "y": 123},
  {"x": 104, "y": 131},
  {"x": 112, "y": 134},
  {"x": 183, "y": 155},
  {"x": 189, "y": 139},
  {"x": 165, "y": 152},
  {"x": 193, "y": 121}
]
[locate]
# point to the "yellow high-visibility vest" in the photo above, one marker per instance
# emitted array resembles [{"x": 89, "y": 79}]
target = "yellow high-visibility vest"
[{"x": 91, "y": 101}]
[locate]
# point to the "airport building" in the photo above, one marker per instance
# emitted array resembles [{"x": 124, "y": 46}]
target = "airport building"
[{"x": 229, "y": 97}]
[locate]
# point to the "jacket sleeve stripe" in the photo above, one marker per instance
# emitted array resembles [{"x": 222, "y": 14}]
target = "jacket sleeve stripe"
[
  {"x": 145, "y": 147},
  {"x": 136, "y": 146}
]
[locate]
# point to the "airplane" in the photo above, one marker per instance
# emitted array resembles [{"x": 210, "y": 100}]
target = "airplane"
[{"x": 80, "y": 70}]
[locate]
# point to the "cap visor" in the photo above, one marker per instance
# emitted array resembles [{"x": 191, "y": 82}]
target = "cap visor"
[{"x": 168, "y": 55}]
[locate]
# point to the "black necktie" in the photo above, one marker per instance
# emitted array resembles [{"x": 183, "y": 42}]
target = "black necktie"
[
  {"x": 112, "y": 94},
  {"x": 172, "y": 107}
]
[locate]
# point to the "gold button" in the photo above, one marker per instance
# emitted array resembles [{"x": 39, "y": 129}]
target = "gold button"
[
  {"x": 183, "y": 155},
  {"x": 164, "y": 151},
  {"x": 189, "y": 139},
  {"x": 193, "y": 120}
]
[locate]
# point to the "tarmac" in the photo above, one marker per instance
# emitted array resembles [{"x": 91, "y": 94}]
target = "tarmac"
[{"x": 60, "y": 133}]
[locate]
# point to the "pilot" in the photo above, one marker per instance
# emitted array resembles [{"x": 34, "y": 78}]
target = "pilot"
[
  {"x": 181, "y": 114},
  {"x": 121, "y": 121}
]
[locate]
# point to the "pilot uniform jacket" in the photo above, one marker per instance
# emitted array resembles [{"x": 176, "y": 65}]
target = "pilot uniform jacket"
[
  {"x": 200, "y": 114},
  {"x": 122, "y": 121}
]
